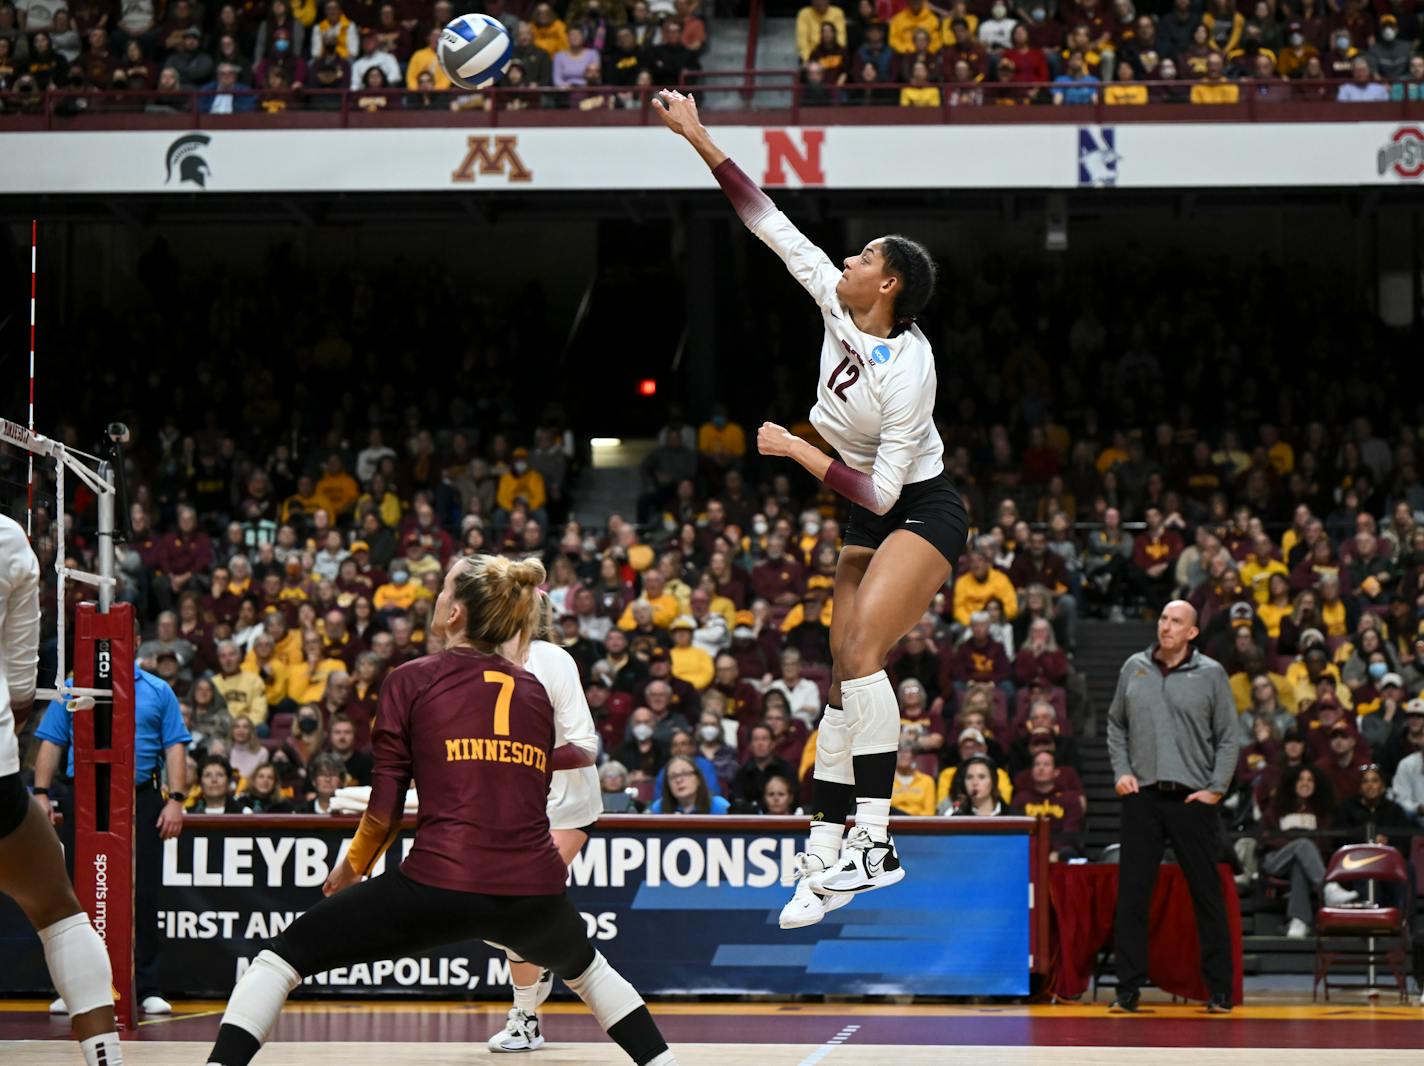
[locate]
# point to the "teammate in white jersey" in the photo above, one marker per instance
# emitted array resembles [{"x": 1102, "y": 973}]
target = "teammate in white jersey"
[
  {"x": 31, "y": 859},
  {"x": 875, "y": 405},
  {"x": 575, "y": 803}
]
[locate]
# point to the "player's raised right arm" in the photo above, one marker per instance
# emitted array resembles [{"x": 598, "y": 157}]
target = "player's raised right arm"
[{"x": 807, "y": 263}]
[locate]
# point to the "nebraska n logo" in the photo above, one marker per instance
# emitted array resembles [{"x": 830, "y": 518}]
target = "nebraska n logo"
[{"x": 493, "y": 155}]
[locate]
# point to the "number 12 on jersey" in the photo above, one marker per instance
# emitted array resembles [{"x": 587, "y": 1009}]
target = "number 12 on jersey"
[{"x": 851, "y": 378}]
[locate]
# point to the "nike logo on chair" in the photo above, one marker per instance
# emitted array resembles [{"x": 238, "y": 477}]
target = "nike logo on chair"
[{"x": 1349, "y": 862}]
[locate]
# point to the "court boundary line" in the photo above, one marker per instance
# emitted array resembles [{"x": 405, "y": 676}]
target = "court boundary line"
[{"x": 830, "y": 1045}]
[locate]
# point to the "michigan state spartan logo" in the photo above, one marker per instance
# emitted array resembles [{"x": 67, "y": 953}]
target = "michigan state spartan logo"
[{"x": 185, "y": 156}]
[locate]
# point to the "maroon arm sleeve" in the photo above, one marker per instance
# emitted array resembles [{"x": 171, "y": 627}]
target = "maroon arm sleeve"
[
  {"x": 750, "y": 203},
  {"x": 569, "y": 757},
  {"x": 854, "y": 486}
]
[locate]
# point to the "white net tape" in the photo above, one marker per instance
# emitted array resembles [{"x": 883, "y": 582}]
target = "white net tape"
[{"x": 94, "y": 473}]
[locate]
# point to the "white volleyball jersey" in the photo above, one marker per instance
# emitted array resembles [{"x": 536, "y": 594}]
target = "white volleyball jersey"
[
  {"x": 876, "y": 396},
  {"x": 575, "y": 799},
  {"x": 19, "y": 634}
]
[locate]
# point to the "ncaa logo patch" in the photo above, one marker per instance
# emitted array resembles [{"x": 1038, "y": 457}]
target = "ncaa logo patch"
[
  {"x": 1097, "y": 156},
  {"x": 880, "y": 353}
]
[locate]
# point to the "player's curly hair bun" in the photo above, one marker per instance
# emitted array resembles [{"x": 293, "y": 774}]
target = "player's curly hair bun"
[
  {"x": 501, "y": 598},
  {"x": 911, "y": 262}
]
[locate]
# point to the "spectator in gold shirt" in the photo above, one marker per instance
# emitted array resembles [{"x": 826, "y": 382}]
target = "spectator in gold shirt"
[
  {"x": 1213, "y": 88},
  {"x": 337, "y": 490},
  {"x": 974, "y": 590},
  {"x": 913, "y": 792},
  {"x": 916, "y": 15},
  {"x": 245, "y": 693}
]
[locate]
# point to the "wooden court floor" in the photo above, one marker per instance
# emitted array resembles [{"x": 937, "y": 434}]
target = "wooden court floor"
[{"x": 1353, "y": 1032}]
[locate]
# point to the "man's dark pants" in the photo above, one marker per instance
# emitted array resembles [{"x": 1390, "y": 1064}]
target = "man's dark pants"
[{"x": 1151, "y": 819}]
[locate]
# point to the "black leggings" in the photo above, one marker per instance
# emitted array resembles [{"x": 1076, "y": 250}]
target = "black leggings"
[{"x": 391, "y": 915}]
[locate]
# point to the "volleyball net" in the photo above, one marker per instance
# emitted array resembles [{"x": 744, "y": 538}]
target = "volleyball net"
[{"x": 96, "y": 684}]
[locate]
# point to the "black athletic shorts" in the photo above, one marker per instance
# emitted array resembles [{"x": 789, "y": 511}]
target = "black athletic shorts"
[
  {"x": 391, "y": 916},
  {"x": 930, "y": 508},
  {"x": 14, "y": 804}
]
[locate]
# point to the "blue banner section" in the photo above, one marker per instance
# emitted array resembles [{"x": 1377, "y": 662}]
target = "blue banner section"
[{"x": 676, "y": 912}]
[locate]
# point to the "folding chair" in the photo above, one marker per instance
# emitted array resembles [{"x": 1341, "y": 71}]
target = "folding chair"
[{"x": 1375, "y": 865}]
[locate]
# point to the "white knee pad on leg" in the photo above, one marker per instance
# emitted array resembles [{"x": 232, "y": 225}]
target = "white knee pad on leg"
[
  {"x": 78, "y": 964},
  {"x": 870, "y": 702},
  {"x": 833, "y": 759},
  {"x": 258, "y": 997},
  {"x": 607, "y": 993}
]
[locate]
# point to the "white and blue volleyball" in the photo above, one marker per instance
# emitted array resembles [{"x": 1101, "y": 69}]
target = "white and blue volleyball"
[{"x": 475, "y": 51}]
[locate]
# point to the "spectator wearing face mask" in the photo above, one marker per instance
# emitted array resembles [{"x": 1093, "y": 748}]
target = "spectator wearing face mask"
[
  {"x": 713, "y": 747},
  {"x": 996, "y": 32},
  {"x": 642, "y": 753},
  {"x": 1339, "y": 61},
  {"x": 399, "y": 593},
  {"x": 302, "y": 745}
]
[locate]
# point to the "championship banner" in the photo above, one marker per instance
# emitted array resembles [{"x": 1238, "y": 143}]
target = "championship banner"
[
  {"x": 473, "y": 161},
  {"x": 685, "y": 908}
]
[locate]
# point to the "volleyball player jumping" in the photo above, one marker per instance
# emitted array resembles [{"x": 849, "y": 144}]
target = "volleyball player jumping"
[
  {"x": 31, "y": 859},
  {"x": 476, "y": 731},
  {"x": 875, "y": 405},
  {"x": 575, "y": 802}
]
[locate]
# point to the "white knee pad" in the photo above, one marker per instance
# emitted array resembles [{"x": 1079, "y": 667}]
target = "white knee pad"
[
  {"x": 870, "y": 703},
  {"x": 608, "y": 995},
  {"x": 259, "y": 996},
  {"x": 833, "y": 759},
  {"x": 78, "y": 964}
]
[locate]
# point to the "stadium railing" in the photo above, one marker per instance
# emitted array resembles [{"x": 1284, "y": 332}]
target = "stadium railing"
[{"x": 854, "y": 104}]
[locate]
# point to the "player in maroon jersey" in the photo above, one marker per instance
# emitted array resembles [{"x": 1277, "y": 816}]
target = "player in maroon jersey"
[{"x": 477, "y": 732}]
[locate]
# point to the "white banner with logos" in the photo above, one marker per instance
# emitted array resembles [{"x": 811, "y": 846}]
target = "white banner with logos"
[{"x": 1145, "y": 155}]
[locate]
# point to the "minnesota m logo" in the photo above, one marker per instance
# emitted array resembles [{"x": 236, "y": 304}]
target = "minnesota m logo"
[{"x": 493, "y": 155}]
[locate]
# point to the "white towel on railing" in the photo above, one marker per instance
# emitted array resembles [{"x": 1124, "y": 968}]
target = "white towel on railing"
[{"x": 355, "y": 799}]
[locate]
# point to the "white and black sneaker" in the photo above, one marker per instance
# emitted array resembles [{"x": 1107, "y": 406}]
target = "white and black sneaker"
[
  {"x": 520, "y": 1033},
  {"x": 806, "y": 906},
  {"x": 865, "y": 864}
]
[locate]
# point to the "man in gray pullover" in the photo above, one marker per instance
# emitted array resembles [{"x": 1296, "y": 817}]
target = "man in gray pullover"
[{"x": 1173, "y": 739}]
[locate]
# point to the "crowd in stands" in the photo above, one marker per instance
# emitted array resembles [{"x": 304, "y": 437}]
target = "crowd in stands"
[
  {"x": 277, "y": 55},
  {"x": 1085, "y": 51},
  {"x": 285, "y": 552}
]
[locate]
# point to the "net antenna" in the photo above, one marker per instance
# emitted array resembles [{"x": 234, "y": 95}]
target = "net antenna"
[{"x": 102, "y": 476}]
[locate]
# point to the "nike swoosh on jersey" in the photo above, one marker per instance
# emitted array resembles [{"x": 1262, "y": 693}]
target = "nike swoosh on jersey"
[
  {"x": 913, "y": 522},
  {"x": 1349, "y": 862}
]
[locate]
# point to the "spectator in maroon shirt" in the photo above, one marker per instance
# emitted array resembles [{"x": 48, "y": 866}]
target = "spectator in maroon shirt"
[
  {"x": 779, "y": 578},
  {"x": 1029, "y": 62},
  {"x": 729, "y": 579},
  {"x": 184, "y": 557},
  {"x": 918, "y": 658},
  {"x": 981, "y": 659},
  {"x": 683, "y": 695},
  {"x": 1154, "y": 551},
  {"x": 1040, "y": 656},
  {"x": 1342, "y": 766},
  {"x": 743, "y": 699},
  {"x": 788, "y": 734},
  {"x": 1063, "y": 808},
  {"x": 339, "y": 641}
]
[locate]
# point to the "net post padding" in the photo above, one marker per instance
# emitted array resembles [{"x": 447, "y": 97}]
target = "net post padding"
[{"x": 104, "y": 789}]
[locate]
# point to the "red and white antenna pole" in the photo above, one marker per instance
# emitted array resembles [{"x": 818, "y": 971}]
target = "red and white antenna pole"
[{"x": 34, "y": 256}]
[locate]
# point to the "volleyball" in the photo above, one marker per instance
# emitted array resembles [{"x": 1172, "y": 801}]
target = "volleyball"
[{"x": 475, "y": 51}]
